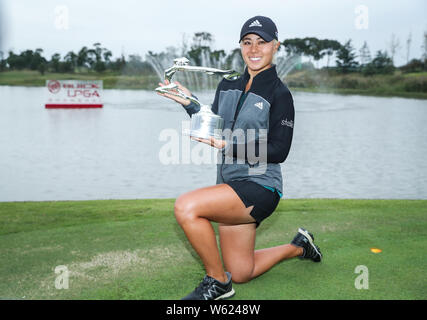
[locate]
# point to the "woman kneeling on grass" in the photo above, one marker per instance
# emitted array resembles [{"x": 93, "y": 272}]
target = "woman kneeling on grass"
[{"x": 243, "y": 195}]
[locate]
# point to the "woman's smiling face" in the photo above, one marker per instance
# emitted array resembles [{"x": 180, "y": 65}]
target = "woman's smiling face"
[{"x": 257, "y": 53}]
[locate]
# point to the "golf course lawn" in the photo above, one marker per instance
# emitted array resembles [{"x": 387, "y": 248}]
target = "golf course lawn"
[{"x": 134, "y": 249}]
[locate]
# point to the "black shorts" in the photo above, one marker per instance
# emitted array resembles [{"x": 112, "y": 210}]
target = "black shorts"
[{"x": 252, "y": 193}]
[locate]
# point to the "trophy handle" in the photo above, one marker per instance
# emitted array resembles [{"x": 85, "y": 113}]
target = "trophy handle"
[
  {"x": 174, "y": 90},
  {"x": 182, "y": 64}
]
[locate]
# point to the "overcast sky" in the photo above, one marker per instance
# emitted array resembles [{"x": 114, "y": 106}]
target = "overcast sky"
[{"x": 134, "y": 27}]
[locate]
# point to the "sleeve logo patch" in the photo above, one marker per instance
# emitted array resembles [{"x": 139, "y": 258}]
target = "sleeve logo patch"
[{"x": 288, "y": 123}]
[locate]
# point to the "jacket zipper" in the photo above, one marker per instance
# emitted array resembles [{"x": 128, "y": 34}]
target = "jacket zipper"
[{"x": 236, "y": 114}]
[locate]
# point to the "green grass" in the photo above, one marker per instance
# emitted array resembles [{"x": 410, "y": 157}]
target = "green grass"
[
  {"x": 416, "y": 74},
  {"x": 134, "y": 249},
  {"x": 411, "y": 85},
  {"x": 110, "y": 80}
]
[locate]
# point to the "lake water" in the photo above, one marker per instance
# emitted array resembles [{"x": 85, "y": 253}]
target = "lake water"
[{"x": 343, "y": 147}]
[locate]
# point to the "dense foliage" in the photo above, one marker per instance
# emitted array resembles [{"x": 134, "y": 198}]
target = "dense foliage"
[{"x": 99, "y": 59}]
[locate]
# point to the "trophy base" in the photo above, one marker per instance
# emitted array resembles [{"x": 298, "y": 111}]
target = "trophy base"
[{"x": 201, "y": 135}]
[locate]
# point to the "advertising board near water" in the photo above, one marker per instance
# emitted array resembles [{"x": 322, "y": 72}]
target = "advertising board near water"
[{"x": 73, "y": 94}]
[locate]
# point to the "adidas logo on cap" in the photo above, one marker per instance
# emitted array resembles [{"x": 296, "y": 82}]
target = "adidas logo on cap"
[
  {"x": 255, "y": 24},
  {"x": 260, "y": 25}
]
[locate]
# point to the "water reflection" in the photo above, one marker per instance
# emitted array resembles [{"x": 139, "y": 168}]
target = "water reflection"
[{"x": 344, "y": 147}]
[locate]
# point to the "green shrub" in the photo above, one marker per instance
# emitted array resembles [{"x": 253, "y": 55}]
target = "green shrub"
[
  {"x": 415, "y": 65},
  {"x": 348, "y": 83},
  {"x": 415, "y": 84}
]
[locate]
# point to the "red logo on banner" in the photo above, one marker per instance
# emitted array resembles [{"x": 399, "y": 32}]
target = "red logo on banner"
[
  {"x": 73, "y": 93},
  {"x": 54, "y": 86}
]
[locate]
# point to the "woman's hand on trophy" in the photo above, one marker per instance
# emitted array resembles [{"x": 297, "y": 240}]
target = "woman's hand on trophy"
[
  {"x": 180, "y": 100},
  {"x": 216, "y": 143}
]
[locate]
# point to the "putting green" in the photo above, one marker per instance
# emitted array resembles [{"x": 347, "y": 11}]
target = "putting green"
[{"x": 134, "y": 249}]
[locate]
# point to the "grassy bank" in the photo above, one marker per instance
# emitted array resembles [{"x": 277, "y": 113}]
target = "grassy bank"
[
  {"x": 398, "y": 85},
  {"x": 110, "y": 80},
  {"x": 133, "y": 249},
  {"x": 410, "y": 85}
]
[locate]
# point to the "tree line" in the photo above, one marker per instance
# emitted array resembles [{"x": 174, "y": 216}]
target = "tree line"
[
  {"x": 347, "y": 59},
  {"x": 99, "y": 59}
]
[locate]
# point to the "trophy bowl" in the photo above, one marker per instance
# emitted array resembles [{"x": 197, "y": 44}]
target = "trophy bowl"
[{"x": 205, "y": 124}]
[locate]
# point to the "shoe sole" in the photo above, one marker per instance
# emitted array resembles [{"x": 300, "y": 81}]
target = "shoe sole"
[
  {"x": 226, "y": 295},
  {"x": 305, "y": 234}
]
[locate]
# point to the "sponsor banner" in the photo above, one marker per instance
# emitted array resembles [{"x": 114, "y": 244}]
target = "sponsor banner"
[{"x": 74, "y": 94}]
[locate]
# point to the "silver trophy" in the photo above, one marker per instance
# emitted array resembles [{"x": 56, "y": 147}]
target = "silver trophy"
[
  {"x": 204, "y": 124},
  {"x": 182, "y": 64}
]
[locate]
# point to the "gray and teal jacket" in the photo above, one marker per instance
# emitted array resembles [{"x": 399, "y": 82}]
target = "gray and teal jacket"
[{"x": 258, "y": 128}]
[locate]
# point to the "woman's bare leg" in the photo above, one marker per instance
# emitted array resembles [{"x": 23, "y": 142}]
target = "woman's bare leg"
[
  {"x": 194, "y": 212},
  {"x": 240, "y": 257},
  {"x": 267, "y": 258}
]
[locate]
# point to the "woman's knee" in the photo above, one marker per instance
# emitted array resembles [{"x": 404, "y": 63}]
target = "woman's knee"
[
  {"x": 240, "y": 273},
  {"x": 241, "y": 276},
  {"x": 184, "y": 209}
]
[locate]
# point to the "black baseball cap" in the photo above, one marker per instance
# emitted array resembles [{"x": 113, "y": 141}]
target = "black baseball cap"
[{"x": 262, "y": 26}]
